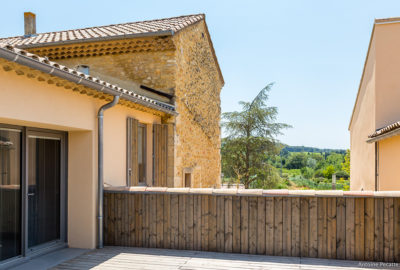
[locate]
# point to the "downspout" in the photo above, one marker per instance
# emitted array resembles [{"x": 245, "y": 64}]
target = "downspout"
[{"x": 100, "y": 168}]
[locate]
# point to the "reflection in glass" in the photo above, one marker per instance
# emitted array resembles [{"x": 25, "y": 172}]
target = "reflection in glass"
[
  {"x": 43, "y": 190},
  {"x": 10, "y": 193}
]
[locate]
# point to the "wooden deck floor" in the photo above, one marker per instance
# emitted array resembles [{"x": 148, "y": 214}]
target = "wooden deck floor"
[{"x": 143, "y": 258}]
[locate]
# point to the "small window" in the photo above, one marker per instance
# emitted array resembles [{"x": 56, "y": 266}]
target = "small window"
[
  {"x": 188, "y": 179},
  {"x": 142, "y": 152},
  {"x": 83, "y": 68}
]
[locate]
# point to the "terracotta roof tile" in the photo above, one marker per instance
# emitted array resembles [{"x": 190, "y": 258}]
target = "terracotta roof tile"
[
  {"x": 173, "y": 24},
  {"x": 149, "y": 102},
  {"x": 385, "y": 130}
]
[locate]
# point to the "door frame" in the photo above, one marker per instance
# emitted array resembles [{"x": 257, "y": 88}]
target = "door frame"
[
  {"x": 28, "y": 253},
  {"x": 51, "y": 134}
]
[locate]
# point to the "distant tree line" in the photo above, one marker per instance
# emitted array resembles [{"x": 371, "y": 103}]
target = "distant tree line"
[{"x": 252, "y": 156}]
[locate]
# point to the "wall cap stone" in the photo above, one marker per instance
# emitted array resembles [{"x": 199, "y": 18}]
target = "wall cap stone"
[
  {"x": 253, "y": 192},
  {"x": 201, "y": 190},
  {"x": 329, "y": 193},
  {"x": 225, "y": 191}
]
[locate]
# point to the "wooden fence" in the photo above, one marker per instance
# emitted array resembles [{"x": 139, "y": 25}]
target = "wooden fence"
[{"x": 333, "y": 225}]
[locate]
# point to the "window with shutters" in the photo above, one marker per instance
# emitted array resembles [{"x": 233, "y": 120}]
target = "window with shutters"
[
  {"x": 142, "y": 153},
  {"x": 136, "y": 152}
]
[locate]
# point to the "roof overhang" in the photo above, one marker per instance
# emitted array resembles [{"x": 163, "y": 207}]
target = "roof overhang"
[
  {"x": 385, "y": 133},
  {"x": 99, "y": 39},
  {"x": 35, "y": 62}
]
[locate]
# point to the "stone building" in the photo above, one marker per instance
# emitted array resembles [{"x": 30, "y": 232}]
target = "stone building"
[
  {"x": 135, "y": 104},
  {"x": 171, "y": 60}
]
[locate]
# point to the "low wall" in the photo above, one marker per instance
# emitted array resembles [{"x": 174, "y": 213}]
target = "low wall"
[{"x": 301, "y": 223}]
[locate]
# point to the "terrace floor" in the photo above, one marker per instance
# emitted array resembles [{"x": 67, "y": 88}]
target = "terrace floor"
[{"x": 145, "y": 258}]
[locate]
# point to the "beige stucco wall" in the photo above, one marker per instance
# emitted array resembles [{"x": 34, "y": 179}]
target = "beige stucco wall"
[
  {"x": 362, "y": 154},
  {"x": 34, "y": 103},
  {"x": 389, "y": 160},
  {"x": 377, "y": 106},
  {"x": 387, "y": 73}
]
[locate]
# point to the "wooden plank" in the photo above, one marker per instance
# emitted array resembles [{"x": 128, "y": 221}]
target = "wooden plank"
[
  {"x": 313, "y": 230},
  {"x": 331, "y": 228},
  {"x": 287, "y": 226},
  {"x": 341, "y": 228},
  {"x": 244, "y": 225},
  {"x": 197, "y": 222},
  {"x": 132, "y": 223},
  {"x": 189, "y": 222},
  {"x": 126, "y": 220},
  {"x": 228, "y": 224},
  {"x": 359, "y": 228},
  {"x": 212, "y": 236},
  {"x": 160, "y": 220},
  {"x": 204, "y": 222},
  {"x": 278, "y": 228},
  {"x": 139, "y": 220},
  {"x": 304, "y": 225},
  {"x": 350, "y": 233},
  {"x": 295, "y": 249},
  {"x": 269, "y": 225},
  {"x": 322, "y": 227},
  {"x": 167, "y": 221},
  {"x": 174, "y": 221},
  {"x": 146, "y": 216},
  {"x": 111, "y": 233},
  {"x": 378, "y": 235},
  {"x": 152, "y": 220},
  {"x": 369, "y": 229},
  {"x": 396, "y": 239},
  {"x": 182, "y": 219},
  {"x": 123, "y": 219},
  {"x": 220, "y": 218},
  {"x": 118, "y": 239},
  {"x": 252, "y": 225},
  {"x": 105, "y": 218},
  {"x": 388, "y": 222},
  {"x": 236, "y": 224},
  {"x": 261, "y": 225}
]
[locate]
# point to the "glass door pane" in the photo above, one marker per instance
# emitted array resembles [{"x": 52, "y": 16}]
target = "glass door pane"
[
  {"x": 43, "y": 190},
  {"x": 10, "y": 193}
]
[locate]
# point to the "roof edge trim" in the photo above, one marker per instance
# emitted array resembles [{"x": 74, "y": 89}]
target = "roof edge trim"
[
  {"x": 101, "y": 87},
  {"x": 384, "y": 136},
  {"x": 362, "y": 77},
  {"x": 88, "y": 40}
]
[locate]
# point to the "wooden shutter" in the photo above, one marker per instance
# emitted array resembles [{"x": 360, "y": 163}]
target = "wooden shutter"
[
  {"x": 160, "y": 147},
  {"x": 132, "y": 169}
]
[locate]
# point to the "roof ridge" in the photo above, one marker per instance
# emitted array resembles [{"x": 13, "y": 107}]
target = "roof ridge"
[{"x": 117, "y": 24}]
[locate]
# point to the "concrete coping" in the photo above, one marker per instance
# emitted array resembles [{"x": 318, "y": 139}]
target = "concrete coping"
[{"x": 252, "y": 192}]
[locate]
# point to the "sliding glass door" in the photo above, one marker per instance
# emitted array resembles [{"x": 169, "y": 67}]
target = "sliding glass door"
[
  {"x": 43, "y": 189},
  {"x": 32, "y": 191},
  {"x": 10, "y": 193}
]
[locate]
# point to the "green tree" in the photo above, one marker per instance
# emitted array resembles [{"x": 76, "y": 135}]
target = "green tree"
[
  {"x": 346, "y": 163},
  {"x": 329, "y": 171},
  {"x": 296, "y": 161},
  {"x": 335, "y": 160},
  {"x": 251, "y": 139}
]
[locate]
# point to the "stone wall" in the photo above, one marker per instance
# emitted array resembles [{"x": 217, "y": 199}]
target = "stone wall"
[
  {"x": 186, "y": 69},
  {"x": 198, "y": 87},
  {"x": 155, "y": 69}
]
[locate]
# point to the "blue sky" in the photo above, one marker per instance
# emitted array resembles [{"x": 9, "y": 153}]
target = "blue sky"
[{"x": 314, "y": 51}]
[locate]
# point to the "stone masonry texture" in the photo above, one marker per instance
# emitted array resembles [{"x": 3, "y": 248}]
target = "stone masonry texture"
[{"x": 187, "y": 70}]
